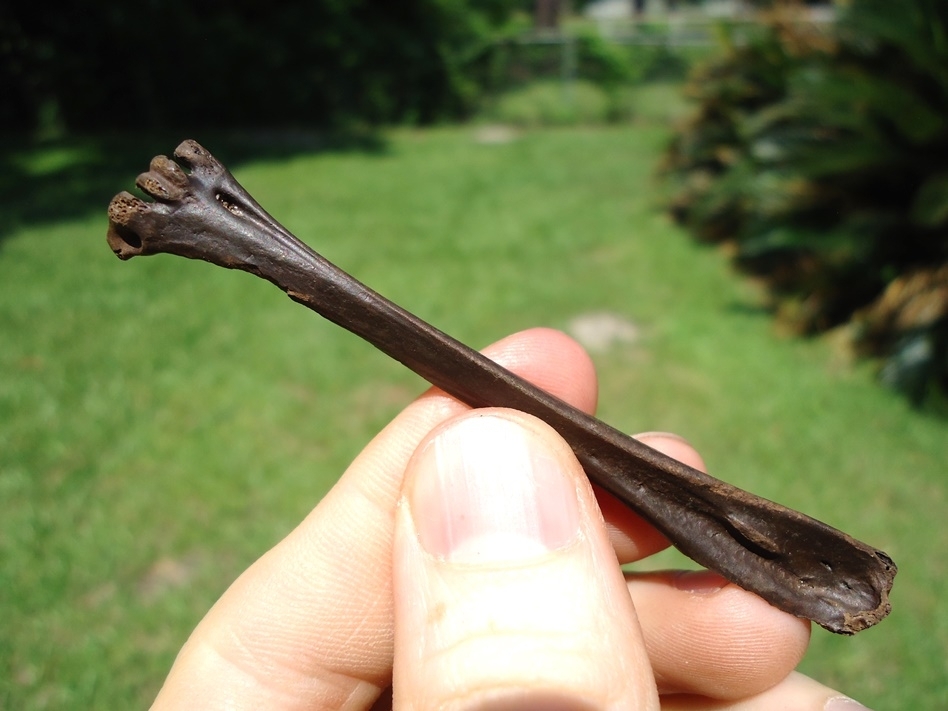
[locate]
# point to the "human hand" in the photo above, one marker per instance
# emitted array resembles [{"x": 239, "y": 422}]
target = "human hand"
[{"x": 465, "y": 550}]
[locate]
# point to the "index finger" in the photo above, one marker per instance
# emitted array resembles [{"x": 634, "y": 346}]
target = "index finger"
[{"x": 309, "y": 625}]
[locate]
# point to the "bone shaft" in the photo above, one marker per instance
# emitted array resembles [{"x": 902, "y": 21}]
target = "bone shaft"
[{"x": 793, "y": 561}]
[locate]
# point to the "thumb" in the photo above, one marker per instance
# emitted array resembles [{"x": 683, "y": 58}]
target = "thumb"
[{"x": 507, "y": 590}]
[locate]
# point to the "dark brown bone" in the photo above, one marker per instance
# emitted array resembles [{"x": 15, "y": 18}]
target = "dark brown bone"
[{"x": 796, "y": 563}]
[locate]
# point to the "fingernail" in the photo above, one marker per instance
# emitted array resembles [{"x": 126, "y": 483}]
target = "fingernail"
[
  {"x": 844, "y": 703},
  {"x": 487, "y": 490},
  {"x": 699, "y": 581}
]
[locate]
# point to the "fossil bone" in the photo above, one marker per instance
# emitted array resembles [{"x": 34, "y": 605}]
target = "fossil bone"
[{"x": 795, "y": 562}]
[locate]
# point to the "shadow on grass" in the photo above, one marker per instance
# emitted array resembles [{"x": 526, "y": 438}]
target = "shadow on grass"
[{"x": 49, "y": 181}]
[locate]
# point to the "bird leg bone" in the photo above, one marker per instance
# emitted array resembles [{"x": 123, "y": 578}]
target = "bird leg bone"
[{"x": 796, "y": 563}]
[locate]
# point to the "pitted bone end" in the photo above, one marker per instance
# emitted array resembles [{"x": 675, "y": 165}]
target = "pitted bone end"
[
  {"x": 133, "y": 223},
  {"x": 124, "y": 211},
  {"x": 164, "y": 181},
  {"x": 135, "y": 226},
  {"x": 198, "y": 158},
  {"x": 141, "y": 227},
  {"x": 199, "y": 211}
]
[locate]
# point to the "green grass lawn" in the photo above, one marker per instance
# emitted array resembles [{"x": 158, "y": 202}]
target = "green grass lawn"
[{"x": 163, "y": 422}]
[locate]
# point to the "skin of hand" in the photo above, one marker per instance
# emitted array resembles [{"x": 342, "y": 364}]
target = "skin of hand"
[{"x": 465, "y": 561}]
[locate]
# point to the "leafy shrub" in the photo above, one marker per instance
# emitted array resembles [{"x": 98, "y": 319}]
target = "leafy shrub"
[
  {"x": 519, "y": 58},
  {"x": 244, "y": 64},
  {"x": 822, "y": 156},
  {"x": 580, "y": 78},
  {"x": 553, "y": 103}
]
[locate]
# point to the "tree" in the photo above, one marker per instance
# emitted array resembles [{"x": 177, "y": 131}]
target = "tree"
[
  {"x": 823, "y": 157},
  {"x": 218, "y": 63}
]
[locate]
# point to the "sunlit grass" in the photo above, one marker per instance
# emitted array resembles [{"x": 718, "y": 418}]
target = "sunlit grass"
[
  {"x": 580, "y": 102},
  {"x": 162, "y": 422}
]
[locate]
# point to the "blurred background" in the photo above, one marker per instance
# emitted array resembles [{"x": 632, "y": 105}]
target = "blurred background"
[{"x": 739, "y": 208}]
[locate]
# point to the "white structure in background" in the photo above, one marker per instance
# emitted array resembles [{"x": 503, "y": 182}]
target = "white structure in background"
[
  {"x": 606, "y": 10},
  {"x": 686, "y": 22},
  {"x": 612, "y": 10},
  {"x": 619, "y": 10}
]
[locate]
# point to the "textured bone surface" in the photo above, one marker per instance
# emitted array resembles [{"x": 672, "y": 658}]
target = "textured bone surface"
[{"x": 796, "y": 563}]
